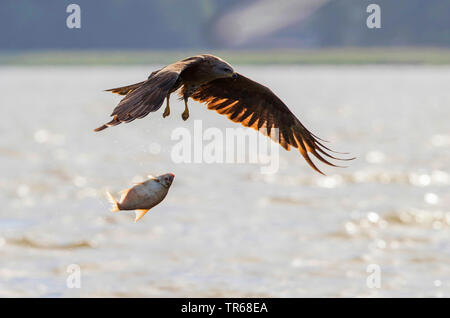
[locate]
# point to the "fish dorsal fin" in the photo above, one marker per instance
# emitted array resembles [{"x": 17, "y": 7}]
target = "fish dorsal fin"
[{"x": 140, "y": 214}]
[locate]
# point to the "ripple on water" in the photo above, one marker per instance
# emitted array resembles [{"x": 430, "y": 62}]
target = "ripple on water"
[
  {"x": 418, "y": 178},
  {"x": 32, "y": 243},
  {"x": 290, "y": 200},
  {"x": 419, "y": 217},
  {"x": 330, "y": 182},
  {"x": 370, "y": 224}
]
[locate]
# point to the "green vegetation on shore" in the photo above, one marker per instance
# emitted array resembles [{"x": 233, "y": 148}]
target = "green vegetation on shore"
[{"x": 316, "y": 56}]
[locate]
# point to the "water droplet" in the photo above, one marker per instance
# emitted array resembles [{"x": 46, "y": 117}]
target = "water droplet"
[
  {"x": 351, "y": 228},
  {"x": 373, "y": 217},
  {"x": 421, "y": 180},
  {"x": 41, "y": 136},
  {"x": 329, "y": 181},
  {"x": 431, "y": 198}
]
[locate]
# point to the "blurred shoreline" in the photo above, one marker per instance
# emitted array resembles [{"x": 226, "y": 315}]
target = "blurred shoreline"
[{"x": 335, "y": 56}]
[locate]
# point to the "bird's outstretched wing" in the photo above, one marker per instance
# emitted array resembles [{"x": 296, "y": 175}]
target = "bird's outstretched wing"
[
  {"x": 124, "y": 90},
  {"x": 254, "y": 105},
  {"x": 147, "y": 96}
]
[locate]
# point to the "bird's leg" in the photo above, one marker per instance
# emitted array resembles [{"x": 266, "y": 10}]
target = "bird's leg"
[
  {"x": 167, "y": 110},
  {"x": 185, "y": 114}
]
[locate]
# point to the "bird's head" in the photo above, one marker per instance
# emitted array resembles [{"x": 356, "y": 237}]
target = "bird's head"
[
  {"x": 166, "y": 179},
  {"x": 222, "y": 69}
]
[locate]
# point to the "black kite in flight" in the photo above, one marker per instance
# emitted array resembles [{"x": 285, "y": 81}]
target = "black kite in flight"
[{"x": 211, "y": 80}]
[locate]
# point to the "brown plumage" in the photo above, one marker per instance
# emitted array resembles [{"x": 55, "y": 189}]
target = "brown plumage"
[{"x": 210, "y": 80}]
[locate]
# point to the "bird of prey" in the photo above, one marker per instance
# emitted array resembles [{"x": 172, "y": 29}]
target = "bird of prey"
[{"x": 210, "y": 80}]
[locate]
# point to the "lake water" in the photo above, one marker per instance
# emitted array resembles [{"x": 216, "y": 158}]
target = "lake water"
[{"x": 226, "y": 229}]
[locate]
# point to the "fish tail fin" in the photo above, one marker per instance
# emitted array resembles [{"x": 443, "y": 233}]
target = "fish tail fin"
[
  {"x": 140, "y": 214},
  {"x": 114, "y": 203}
]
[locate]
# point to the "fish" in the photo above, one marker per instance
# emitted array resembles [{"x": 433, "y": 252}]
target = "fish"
[{"x": 142, "y": 196}]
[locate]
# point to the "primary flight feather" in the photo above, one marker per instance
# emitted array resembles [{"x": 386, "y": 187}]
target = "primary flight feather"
[{"x": 210, "y": 80}]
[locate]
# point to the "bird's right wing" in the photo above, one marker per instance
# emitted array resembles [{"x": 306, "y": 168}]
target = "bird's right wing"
[
  {"x": 254, "y": 105},
  {"x": 148, "y": 96}
]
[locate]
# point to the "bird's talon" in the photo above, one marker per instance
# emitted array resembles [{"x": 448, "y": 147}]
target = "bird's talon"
[
  {"x": 166, "y": 113},
  {"x": 185, "y": 115}
]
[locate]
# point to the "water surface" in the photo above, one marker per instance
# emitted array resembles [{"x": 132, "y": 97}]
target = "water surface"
[{"x": 226, "y": 229}]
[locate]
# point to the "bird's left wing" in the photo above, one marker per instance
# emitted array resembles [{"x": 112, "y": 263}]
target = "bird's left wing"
[
  {"x": 124, "y": 90},
  {"x": 147, "y": 96},
  {"x": 254, "y": 105}
]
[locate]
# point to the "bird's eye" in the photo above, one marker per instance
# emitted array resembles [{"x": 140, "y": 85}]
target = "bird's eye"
[{"x": 227, "y": 70}]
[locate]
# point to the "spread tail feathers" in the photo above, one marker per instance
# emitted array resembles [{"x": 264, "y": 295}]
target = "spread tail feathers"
[
  {"x": 141, "y": 98},
  {"x": 114, "y": 203},
  {"x": 124, "y": 90}
]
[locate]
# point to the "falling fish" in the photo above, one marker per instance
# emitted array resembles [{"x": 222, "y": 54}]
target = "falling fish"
[{"x": 143, "y": 196}]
